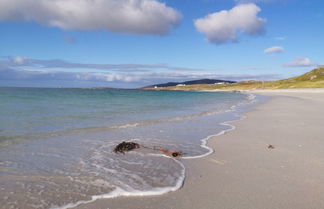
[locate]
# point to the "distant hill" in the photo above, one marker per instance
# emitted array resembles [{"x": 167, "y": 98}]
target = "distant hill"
[
  {"x": 193, "y": 82},
  {"x": 312, "y": 79}
]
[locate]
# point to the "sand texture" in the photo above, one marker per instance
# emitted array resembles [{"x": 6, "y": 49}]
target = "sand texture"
[{"x": 243, "y": 173}]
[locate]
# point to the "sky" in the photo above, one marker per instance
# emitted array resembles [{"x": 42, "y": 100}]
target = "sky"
[{"x": 135, "y": 43}]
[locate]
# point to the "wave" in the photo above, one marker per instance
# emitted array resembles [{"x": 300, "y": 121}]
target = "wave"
[{"x": 137, "y": 123}]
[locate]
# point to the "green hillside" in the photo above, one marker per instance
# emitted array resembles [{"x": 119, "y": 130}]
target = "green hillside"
[{"x": 312, "y": 79}]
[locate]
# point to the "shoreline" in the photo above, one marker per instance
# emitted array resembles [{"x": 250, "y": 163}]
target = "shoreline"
[
  {"x": 262, "y": 91},
  {"x": 119, "y": 193},
  {"x": 227, "y": 178}
]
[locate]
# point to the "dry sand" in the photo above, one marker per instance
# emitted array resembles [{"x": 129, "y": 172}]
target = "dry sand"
[{"x": 243, "y": 173}]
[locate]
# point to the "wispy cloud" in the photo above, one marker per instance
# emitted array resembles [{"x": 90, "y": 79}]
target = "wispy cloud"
[
  {"x": 224, "y": 26},
  {"x": 280, "y": 38},
  {"x": 301, "y": 62},
  {"x": 121, "y": 16},
  {"x": 252, "y": 1},
  {"x": 274, "y": 49},
  {"x": 20, "y": 61},
  {"x": 69, "y": 39}
]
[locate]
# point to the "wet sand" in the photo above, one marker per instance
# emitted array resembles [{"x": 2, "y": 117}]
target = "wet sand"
[{"x": 243, "y": 173}]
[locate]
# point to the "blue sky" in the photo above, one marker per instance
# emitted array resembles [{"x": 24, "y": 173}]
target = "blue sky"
[{"x": 133, "y": 43}]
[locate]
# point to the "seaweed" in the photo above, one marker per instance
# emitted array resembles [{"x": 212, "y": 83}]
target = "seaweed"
[
  {"x": 126, "y": 147},
  {"x": 129, "y": 146}
]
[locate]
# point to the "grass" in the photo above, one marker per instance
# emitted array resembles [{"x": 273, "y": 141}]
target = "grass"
[{"x": 312, "y": 79}]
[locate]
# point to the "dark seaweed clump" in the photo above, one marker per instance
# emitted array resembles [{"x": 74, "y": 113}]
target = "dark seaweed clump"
[{"x": 126, "y": 147}]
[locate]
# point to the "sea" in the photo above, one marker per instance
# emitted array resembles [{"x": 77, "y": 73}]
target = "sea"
[{"x": 56, "y": 144}]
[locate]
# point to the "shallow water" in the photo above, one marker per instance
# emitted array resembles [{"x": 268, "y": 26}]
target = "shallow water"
[{"x": 56, "y": 144}]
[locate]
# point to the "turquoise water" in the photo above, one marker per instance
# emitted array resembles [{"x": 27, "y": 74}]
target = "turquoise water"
[{"x": 56, "y": 144}]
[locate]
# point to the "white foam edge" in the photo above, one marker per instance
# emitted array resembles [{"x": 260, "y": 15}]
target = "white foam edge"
[
  {"x": 251, "y": 97},
  {"x": 205, "y": 140},
  {"x": 118, "y": 192}
]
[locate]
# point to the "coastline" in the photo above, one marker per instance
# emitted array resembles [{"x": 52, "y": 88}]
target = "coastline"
[{"x": 243, "y": 173}]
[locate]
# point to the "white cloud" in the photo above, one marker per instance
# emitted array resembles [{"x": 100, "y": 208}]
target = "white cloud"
[
  {"x": 121, "y": 16},
  {"x": 300, "y": 62},
  {"x": 224, "y": 26},
  {"x": 124, "y": 77},
  {"x": 274, "y": 49}
]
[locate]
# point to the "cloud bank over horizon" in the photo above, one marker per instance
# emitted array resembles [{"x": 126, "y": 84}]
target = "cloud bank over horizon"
[
  {"x": 20, "y": 71},
  {"x": 122, "y": 16},
  {"x": 41, "y": 78},
  {"x": 226, "y": 25}
]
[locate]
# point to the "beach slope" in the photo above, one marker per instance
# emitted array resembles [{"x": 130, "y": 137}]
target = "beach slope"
[{"x": 244, "y": 173}]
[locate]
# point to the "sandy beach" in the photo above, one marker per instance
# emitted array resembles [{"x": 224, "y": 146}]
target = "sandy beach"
[{"x": 243, "y": 173}]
